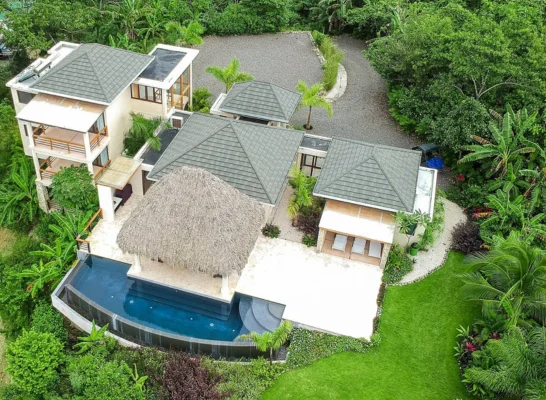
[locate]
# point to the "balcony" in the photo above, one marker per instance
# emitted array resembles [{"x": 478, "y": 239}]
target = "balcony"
[
  {"x": 52, "y": 165},
  {"x": 65, "y": 142}
]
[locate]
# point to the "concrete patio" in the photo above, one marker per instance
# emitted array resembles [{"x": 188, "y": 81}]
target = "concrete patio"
[{"x": 319, "y": 290}]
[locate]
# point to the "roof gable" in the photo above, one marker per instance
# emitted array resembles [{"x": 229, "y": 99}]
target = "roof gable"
[
  {"x": 251, "y": 157},
  {"x": 261, "y": 100},
  {"x": 362, "y": 173},
  {"x": 93, "y": 72}
]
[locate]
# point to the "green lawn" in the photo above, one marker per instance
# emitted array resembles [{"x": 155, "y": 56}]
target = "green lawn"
[{"x": 414, "y": 359}]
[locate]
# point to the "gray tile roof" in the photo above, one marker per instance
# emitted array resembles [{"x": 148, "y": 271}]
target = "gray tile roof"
[
  {"x": 261, "y": 100},
  {"x": 93, "y": 72},
  {"x": 253, "y": 158},
  {"x": 370, "y": 174}
]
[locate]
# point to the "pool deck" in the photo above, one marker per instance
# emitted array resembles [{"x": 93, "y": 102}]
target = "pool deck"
[
  {"x": 103, "y": 244},
  {"x": 320, "y": 291}
]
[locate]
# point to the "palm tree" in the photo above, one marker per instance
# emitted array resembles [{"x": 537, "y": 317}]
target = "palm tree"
[
  {"x": 303, "y": 188},
  {"x": 142, "y": 131},
  {"x": 270, "y": 340},
  {"x": 311, "y": 97},
  {"x": 184, "y": 35},
  {"x": 229, "y": 75},
  {"x": 519, "y": 366},
  {"x": 504, "y": 149},
  {"x": 510, "y": 279}
]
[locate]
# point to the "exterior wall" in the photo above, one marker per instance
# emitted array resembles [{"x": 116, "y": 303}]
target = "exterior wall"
[
  {"x": 320, "y": 239},
  {"x": 148, "y": 108},
  {"x": 268, "y": 212},
  {"x": 402, "y": 239},
  {"x": 118, "y": 121},
  {"x": 385, "y": 255},
  {"x": 137, "y": 182},
  {"x": 18, "y": 107}
]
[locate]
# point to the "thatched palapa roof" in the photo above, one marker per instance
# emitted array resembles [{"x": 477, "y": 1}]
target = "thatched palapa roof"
[{"x": 191, "y": 218}]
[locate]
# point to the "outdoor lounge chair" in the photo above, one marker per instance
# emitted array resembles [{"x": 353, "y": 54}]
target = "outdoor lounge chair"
[
  {"x": 375, "y": 250},
  {"x": 358, "y": 246},
  {"x": 340, "y": 242}
]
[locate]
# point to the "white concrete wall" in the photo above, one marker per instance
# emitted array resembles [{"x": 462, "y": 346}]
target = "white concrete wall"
[
  {"x": 136, "y": 182},
  {"x": 18, "y": 107},
  {"x": 106, "y": 202},
  {"x": 149, "y": 109},
  {"x": 402, "y": 239},
  {"x": 118, "y": 119}
]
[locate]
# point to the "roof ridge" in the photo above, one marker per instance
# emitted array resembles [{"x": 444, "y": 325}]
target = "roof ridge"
[
  {"x": 278, "y": 101},
  {"x": 251, "y": 164},
  {"x": 96, "y": 74},
  {"x": 389, "y": 180}
]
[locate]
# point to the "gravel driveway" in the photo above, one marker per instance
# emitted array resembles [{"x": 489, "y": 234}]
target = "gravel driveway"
[{"x": 361, "y": 113}]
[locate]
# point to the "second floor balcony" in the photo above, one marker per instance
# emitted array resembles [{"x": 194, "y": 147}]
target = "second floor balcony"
[
  {"x": 70, "y": 128},
  {"x": 65, "y": 142}
]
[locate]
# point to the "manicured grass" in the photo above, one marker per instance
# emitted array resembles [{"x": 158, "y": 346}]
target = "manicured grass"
[{"x": 414, "y": 360}]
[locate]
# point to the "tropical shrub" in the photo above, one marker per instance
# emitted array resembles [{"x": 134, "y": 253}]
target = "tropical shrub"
[
  {"x": 96, "y": 338},
  {"x": 435, "y": 226},
  {"x": 18, "y": 197},
  {"x": 201, "y": 101},
  {"x": 184, "y": 378},
  {"x": 398, "y": 265},
  {"x": 307, "y": 346},
  {"x": 241, "y": 380},
  {"x": 466, "y": 237},
  {"x": 271, "y": 231},
  {"x": 303, "y": 189},
  {"x": 10, "y": 140},
  {"x": 45, "y": 319},
  {"x": 73, "y": 189},
  {"x": 332, "y": 57},
  {"x": 33, "y": 360},
  {"x": 142, "y": 131},
  {"x": 309, "y": 240},
  {"x": 15, "y": 301}
]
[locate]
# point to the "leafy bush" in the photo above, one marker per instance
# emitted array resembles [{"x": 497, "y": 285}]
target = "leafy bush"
[
  {"x": 73, "y": 189},
  {"x": 33, "y": 360},
  {"x": 271, "y": 231},
  {"x": 15, "y": 300},
  {"x": 309, "y": 240},
  {"x": 201, "y": 101},
  {"x": 436, "y": 226},
  {"x": 185, "y": 379},
  {"x": 308, "y": 346},
  {"x": 332, "y": 57},
  {"x": 45, "y": 319},
  {"x": 399, "y": 264},
  {"x": 243, "y": 381},
  {"x": 466, "y": 237}
]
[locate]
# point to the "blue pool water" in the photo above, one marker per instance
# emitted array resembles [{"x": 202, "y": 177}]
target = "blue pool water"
[{"x": 105, "y": 282}]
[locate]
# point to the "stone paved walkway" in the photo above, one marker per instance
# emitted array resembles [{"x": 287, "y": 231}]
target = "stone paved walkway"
[{"x": 429, "y": 261}]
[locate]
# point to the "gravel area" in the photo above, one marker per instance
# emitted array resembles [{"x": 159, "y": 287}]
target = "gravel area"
[
  {"x": 428, "y": 261},
  {"x": 284, "y": 59}
]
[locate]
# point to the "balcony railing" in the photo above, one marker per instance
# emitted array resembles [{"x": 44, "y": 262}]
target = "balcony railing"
[
  {"x": 101, "y": 170},
  {"x": 70, "y": 147},
  {"x": 46, "y": 168},
  {"x": 83, "y": 238},
  {"x": 95, "y": 142}
]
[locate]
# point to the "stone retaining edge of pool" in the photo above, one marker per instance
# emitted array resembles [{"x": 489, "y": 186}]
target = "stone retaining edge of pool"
[{"x": 153, "y": 336}]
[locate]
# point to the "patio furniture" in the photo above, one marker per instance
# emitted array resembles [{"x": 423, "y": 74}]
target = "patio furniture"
[
  {"x": 340, "y": 242},
  {"x": 375, "y": 250},
  {"x": 358, "y": 246}
]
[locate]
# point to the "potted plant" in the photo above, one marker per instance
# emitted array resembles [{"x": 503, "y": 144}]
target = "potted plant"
[{"x": 413, "y": 249}]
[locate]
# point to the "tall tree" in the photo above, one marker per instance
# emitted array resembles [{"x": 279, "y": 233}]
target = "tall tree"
[{"x": 312, "y": 97}]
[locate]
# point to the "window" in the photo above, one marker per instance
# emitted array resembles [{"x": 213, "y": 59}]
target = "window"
[
  {"x": 311, "y": 165},
  {"x": 98, "y": 125},
  {"x": 24, "y": 97},
  {"x": 146, "y": 93},
  {"x": 176, "y": 122},
  {"x": 25, "y": 127}
]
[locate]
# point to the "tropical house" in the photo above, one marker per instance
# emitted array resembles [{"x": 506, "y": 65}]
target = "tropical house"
[
  {"x": 365, "y": 185},
  {"x": 256, "y": 101},
  {"x": 73, "y": 107}
]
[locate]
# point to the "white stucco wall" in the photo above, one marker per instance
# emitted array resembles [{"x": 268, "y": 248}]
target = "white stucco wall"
[
  {"x": 148, "y": 108},
  {"x": 118, "y": 120}
]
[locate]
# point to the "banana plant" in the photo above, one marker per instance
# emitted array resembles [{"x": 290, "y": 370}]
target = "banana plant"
[
  {"x": 95, "y": 338},
  {"x": 41, "y": 276}
]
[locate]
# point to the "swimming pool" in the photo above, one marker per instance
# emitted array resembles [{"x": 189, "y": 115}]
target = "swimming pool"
[{"x": 105, "y": 282}]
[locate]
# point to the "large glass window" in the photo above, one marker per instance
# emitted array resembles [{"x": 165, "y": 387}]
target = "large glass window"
[
  {"x": 311, "y": 165},
  {"x": 146, "y": 93}
]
